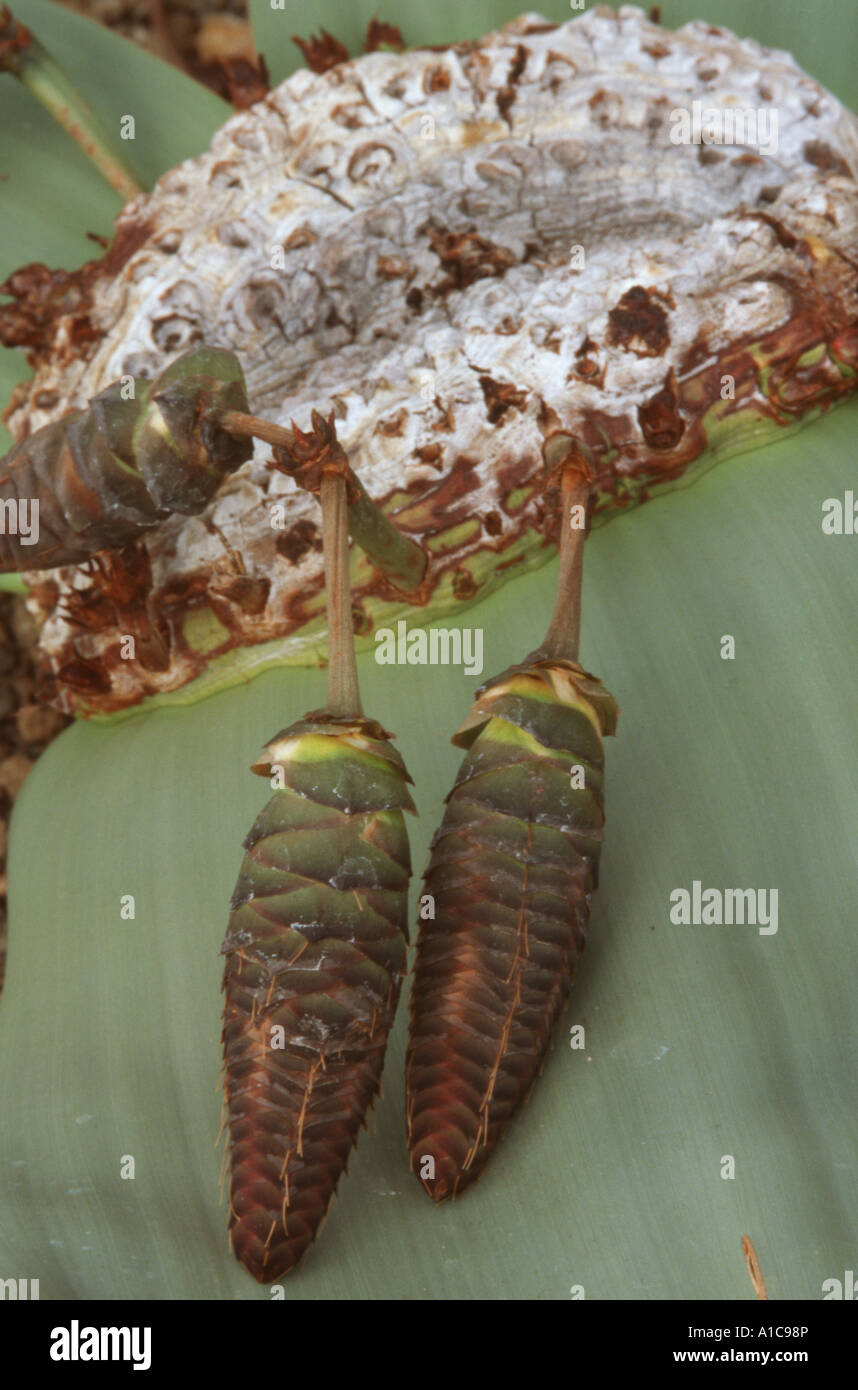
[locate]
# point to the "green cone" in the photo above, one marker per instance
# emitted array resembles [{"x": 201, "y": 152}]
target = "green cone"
[
  {"x": 103, "y": 476},
  {"x": 316, "y": 951},
  {"x": 512, "y": 870}
]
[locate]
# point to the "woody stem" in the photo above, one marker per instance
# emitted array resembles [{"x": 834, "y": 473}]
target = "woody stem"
[
  {"x": 564, "y": 630},
  {"x": 343, "y": 692},
  {"x": 399, "y": 558},
  {"x": 254, "y": 427}
]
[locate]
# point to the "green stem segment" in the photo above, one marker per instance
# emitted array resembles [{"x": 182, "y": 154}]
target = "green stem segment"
[
  {"x": 343, "y": 692},
  {"x": 28, "y": 60},
  {"x": 399, "y": 558}
]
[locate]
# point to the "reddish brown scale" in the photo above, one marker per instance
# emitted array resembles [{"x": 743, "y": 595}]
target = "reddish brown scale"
[{"x": 294, "y": 1120}]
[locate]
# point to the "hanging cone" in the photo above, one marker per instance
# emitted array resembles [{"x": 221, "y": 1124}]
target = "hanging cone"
[
  {"x": 512, "y": 870},
  {"x": 316, "y": 947}
]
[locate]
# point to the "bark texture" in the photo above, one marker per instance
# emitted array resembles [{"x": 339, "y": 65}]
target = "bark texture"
[{"x": 463, "y": 252}]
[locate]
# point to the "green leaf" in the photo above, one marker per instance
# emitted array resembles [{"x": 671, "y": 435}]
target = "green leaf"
[
  {"x": 43, "y": 171},
  {"x": 12, "y": 584},
  {"x": 700, "y": 1041},
  {"x": 822, "y": 42}
]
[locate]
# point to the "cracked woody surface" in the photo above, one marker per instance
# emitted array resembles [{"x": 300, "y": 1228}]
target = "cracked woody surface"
[
  {"x": 401, "y": 237},
  {"x": 701, "y": 1040}
]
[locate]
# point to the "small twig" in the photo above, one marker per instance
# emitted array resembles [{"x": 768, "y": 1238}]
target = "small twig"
[
  {"x": 27, "y": 59},
  {"x": 254, "y": 427},
  {"x": 322, "y": 467},
  {"x": 305, "y": 457},
  {"x": 343, "y": 692},
  {"x": 754, "y": 1270},
  {"x": 564, "y": 630}
]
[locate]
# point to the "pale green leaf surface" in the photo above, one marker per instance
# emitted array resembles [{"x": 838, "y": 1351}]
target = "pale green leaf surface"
[
  {"x": 12, "y": 584},
  {"x": 700, "y": 1041},
  {"x": 821, "y": 37}
]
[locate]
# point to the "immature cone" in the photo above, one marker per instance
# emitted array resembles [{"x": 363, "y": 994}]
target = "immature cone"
[
  {"x": 316, "y": 949},
  {"x": 512, "y": 870},
  {"x": 105, "y": 475}
]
